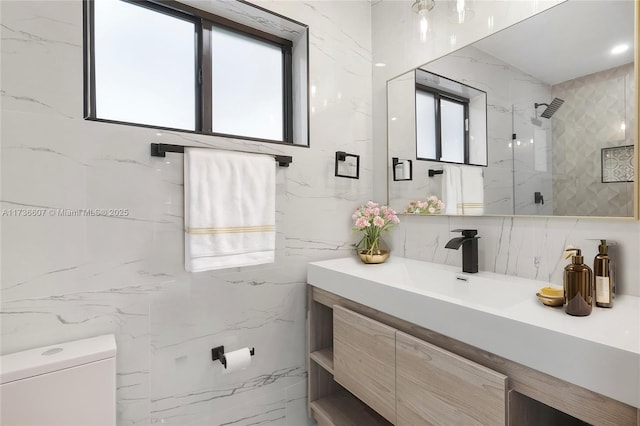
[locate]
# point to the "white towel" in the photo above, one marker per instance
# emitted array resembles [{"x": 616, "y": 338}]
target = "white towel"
[
  {"x": 472, "y": 190},
  {"x": 451, "y": 189},
  {"x": 229, "y": 209}
]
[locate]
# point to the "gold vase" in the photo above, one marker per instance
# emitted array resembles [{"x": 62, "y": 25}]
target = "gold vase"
[{"x": 377, "y": 255}]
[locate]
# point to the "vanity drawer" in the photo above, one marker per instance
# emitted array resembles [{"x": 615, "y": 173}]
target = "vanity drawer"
[
  {"x": 437, "y": 387},
  {"x": 364, "y": 360}
]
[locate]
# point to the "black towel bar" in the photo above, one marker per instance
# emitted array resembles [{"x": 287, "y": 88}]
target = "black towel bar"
[
  {"x": 161, "y": 149},
  {"x": 432, "y": 172}
]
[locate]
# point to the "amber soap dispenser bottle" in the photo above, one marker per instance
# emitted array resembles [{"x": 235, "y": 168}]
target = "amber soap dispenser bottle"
[
  {"x": 578, "y": 285},
  {"x": 603, "y": 276}
]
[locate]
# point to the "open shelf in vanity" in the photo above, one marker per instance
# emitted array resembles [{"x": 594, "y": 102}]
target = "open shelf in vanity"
[
  {"x": 324, "y": 358},
  {"x": 329, "y": 402},
  {"x": 343, "y": 409}
]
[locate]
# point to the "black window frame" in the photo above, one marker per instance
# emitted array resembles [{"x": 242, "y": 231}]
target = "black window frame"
[
  {"x": 438, "y": 95},
  {"x": 203, "y": 23}
]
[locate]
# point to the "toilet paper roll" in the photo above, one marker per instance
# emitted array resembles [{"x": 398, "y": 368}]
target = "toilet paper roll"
[
  {"x": 406, "y": 170},
  {"x": 399, "y": 171},
  {"x": 403, "y": 170},
  {"x": 237, "y": 360}
]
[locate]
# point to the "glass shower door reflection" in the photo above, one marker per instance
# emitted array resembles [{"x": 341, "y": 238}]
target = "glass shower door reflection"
[{"x": 532, "y": 174}]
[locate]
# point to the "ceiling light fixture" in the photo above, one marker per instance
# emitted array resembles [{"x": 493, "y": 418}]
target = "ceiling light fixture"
[{"x": 421, "y": 7}]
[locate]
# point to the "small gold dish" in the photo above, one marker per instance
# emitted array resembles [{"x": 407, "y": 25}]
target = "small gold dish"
[
  {"x": 550, "y": 301},
  {"x": 551, "y": 292}
]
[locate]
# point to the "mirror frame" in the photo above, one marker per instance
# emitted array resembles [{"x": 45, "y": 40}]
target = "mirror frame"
[{"x": 636, "y": 130}]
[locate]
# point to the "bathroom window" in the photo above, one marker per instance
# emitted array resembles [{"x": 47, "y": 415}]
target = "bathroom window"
[
  {"x": 171, "y": 66},
  {"x": 236, "y": 85},
  {"x": 441, "y": 127},
  {"x": 451, "y": 120}
]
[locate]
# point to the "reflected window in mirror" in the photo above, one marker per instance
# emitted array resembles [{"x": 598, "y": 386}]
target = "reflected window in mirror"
[
  {"x": 440, "y": 118},
  {"x": 450, "y": 121}
]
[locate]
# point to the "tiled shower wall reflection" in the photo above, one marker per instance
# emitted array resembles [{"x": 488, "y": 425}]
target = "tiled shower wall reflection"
[
  {"x": 597, "y": 113},
  {"x": 70, "y": 277}
]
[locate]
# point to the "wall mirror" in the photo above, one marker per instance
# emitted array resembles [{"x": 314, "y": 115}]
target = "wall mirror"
[{"x": 560, "y": 118}]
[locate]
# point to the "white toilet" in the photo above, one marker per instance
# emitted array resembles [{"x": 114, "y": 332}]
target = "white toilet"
[{"x": 72, "y": 383}]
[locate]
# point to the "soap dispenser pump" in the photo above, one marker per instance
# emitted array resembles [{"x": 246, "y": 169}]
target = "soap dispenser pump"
[
  {"x": 578, "y": 284},
  {"x": 602, "y": 270}
]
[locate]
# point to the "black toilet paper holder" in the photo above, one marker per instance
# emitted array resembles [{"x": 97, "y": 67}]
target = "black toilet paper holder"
[{"x": 217, "y": 353}]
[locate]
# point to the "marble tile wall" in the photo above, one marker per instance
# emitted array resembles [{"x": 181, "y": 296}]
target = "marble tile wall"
[
  {"x": 522, "y": 246},
  {"x": 70, "y": 277}
]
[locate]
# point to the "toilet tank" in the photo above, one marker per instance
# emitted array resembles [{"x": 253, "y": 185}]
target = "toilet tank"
[{"x": 68, "y": 384}]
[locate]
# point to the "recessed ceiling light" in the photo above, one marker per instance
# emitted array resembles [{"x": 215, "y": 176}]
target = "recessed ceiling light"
[
  {"x": 380, "y": 64},
  {"x": 619, "y": 49}
]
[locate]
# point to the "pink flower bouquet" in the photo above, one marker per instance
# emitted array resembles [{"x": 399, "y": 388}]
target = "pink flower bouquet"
[
  {"x": 431, "y": 206},
  {"x": 372, "y": 219}
]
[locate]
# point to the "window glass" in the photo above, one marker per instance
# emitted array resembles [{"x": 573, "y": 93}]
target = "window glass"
[
  {"x": 247, "y": 86},
  {"x": 425, "y": 125},
  {"x": 144, "y": 66},
  {"x": 452, "y": 131}
]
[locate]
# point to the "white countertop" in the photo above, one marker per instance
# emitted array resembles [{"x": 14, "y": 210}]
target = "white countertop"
[{"x": 501, "y": 315}]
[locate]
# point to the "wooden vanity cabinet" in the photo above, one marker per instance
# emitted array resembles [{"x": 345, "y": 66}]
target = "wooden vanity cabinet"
[
  {"x": 437, "y": 387},
  {"x": 367, "y": 368},
  {"x": 409, "y": 381},
  {"x": 364, "y": 360}
]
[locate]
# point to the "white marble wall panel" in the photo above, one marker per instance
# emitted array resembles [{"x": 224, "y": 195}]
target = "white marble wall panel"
[
  {"x": 70, "y": 277},
  {"x": 527, "y": 247},
  {"x": 40, "y": 40}
]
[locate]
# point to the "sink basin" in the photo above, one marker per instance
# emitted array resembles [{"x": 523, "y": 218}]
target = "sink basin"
[
  {"x": 482, "y": 289},
  {"x": 474, "y": 289}
]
